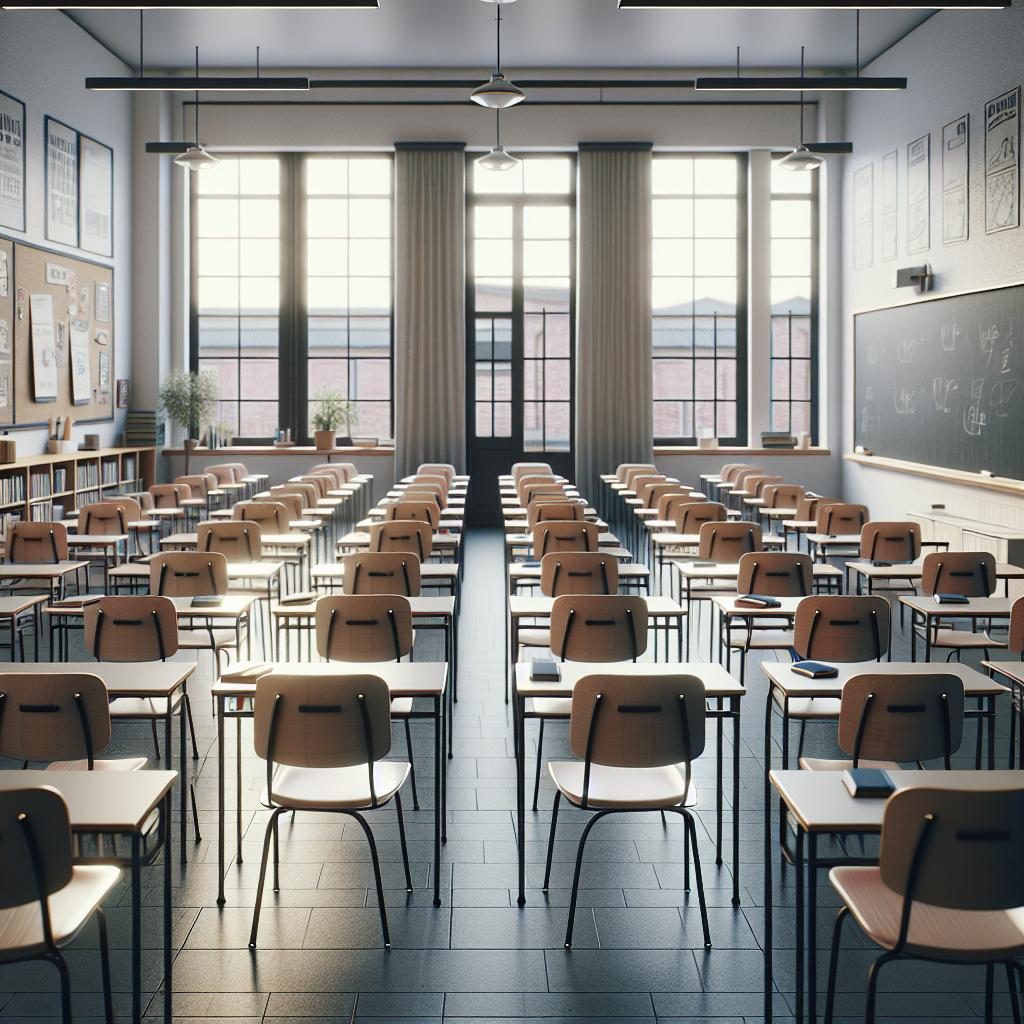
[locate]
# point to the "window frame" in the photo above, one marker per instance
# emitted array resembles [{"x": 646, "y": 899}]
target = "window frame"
[
  {"x": 518, "y": 201},
  {"x": 813, "y": 199},
  {"x": 293, "y": 315},
  {"x": 742, "y": 400}
]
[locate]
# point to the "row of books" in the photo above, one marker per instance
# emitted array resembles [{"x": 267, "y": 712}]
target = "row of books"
[
  {"x": 60, "y": 479},
  {"x": 88, "y": 475},
  {"x": 12, "y": 489},
  {"x": 111, "y": 473},
  {"x": 39, "y": 483}
]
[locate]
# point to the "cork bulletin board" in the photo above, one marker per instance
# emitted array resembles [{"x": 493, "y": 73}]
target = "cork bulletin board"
[{"x": 44, "y": 380}]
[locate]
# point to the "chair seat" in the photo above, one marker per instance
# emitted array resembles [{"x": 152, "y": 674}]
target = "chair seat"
[
  {"x": 623, "y": 787},
  {"x": 534, "y": 638},
  {"x": 963, "y": 639},
  {"x": 760, "y": 639},
  {"x": 551, "y": 707},
  {"x": 143, "y": 707},
  {"x": 401, "y": 706},
  {"x": 199, "y": 639},
  {"x": 21, "y": 927},
  {"x": 120, "y": 764},
  {"x": 326, "y": 788},
  {"x": 811, "y": 707},
  {"x": 825, "y": 764},
  {"x": 968, "y": 936}
]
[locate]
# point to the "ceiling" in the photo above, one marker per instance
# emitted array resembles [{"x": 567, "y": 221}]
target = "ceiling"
[{"x": 460, "y": 34}]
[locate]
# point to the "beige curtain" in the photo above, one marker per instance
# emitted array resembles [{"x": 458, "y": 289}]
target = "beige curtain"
[
  {"x": 614, "y": 418},
  {"x": 430, "y": 306}
]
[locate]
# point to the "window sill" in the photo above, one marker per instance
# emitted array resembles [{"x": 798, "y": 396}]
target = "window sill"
[
  {"x": 305, "y": 450},
  {"x": 712, "y": 452}
]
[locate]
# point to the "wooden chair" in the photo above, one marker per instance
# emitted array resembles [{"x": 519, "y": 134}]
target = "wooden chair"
[
  {"x": 690, "y": 517},
  {"x": 970, "y": 573},
  {"x": 890, "y": 542},
  {"x": 947, "y": 887},
  {"x": 564, "y": 536},
  {"x": 412, "y": 537},
  {"x": 727, "y": 542},
  {"x": 270, "y": 516},
  {"x": 521, "y": 469},
  {"x": 45, "y": 899},
  {"x": 445, "y": 469},
  {"x": 553, "y": 511},
  {"x": 324, "y": 739},
  {"x": 382, "y": 572},
  {"x": 30, "y": 543},
  {"x": 415, "y": 511},
  {"x": 636, "y": 738},
  {"x": 238, "y": 540},
  {"x": 885, "y": 720}
]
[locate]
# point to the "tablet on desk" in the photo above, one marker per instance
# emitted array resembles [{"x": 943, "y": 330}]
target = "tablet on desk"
[
  {"x": 757, "y": 601},
  {"x": 545, "y": 672},
  {"x": 815, "y": 670}
]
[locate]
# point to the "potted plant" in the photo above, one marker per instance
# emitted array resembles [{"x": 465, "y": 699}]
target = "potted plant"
[
  {"x": 332, "y": 411},
  {"x": 189, "y": 399}
]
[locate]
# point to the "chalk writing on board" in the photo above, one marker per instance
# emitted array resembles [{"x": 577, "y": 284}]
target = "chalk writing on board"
[
  {"x": 950, "y": 334},
  {"x": 905, "y": 349},
  {"x": 944, "y": 391},
  {"x": 1001, "y": 395},
  {"x": 987, "y": 338},
  {"x": 906, "y": 401},
  {"x": 974, "y": 419}
]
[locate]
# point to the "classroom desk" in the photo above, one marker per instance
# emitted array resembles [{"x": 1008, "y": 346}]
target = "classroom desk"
[
  {"x": 109, "y": 545},
  {"x": 662, "y": 542},
  {"x": 435, "y": 575},
  {"x": 910, "y": 573},
  {"x": 448, "y": 543},
  {"x": 152, "y": 681},
  {"x": 447, "y": 522},
  {"x": 1013, "y": 673},
  {"x": 818, "y": 804},
  {"x": 728, "y": 610},
  {"x": 834, "y": 545},
  {"x": 15, "y": 609},
  {"x": 632, "y": 576},
  {"x": 926, "y": 611},
  {"x": 691, "y": 572},
  {"x": 607, "y": 543},
  {"x": 105, "y": 803},
  {"x": 53, "y": 574},
  {"x": 288, "y": 545},
  {"x": 426, "y": 679},
  {"x": 720, "y": 687}
]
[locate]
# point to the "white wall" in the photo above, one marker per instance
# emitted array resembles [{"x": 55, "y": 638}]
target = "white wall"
[
  {"x": 955, "y": 62},
  {"x": 44, "y": 58}
]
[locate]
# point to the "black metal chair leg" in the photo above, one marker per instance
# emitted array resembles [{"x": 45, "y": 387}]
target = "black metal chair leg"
[
  {"x": 195, "y": 812},
  {"x": 540, "y": 761},
  {"x": 108, "y": 999},
  {"x": 377, "y": 879},
  {"x": 65, "y": 987},
  {"x": 267, "y": 836},
  {"x": 700, "y": 881},
  {"x": 191, "y": 727},
  {"x": 576, "y": 876},
  {"x": 833, "y": 963},
  {"x": 412, "y": 766},
  {"x": 551, "y": 838},
  {"x": 156, "y": 737},
  {"x": 277, "y": 856},
  {"x": 990, "y": 989},
  {"x": 1011, "y": 984},
  {"x": 401, "y": 837},
  {"x": 873, "y": 971}
]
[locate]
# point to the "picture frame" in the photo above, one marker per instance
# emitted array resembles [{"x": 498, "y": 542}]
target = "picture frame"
[
  {"x": 122, "y": 393},
  {"x": 95, "y": 196},
  {"x": 12, "y": 162},
  {"x": 61, "y": 181}
]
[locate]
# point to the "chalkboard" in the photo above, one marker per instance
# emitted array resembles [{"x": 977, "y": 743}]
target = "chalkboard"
[{"x": 941, "y": 381}]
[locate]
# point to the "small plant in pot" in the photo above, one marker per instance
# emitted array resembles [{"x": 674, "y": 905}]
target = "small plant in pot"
[
  {"x": 332, "y": 411},
  {"x": 189, "y": 399}
]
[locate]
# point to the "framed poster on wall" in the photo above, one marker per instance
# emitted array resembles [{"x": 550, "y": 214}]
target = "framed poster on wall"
[
  {"x": 61, "y": 182},
  {"x": 95, "y": 196},
  {"x": 12, "y": 163}
]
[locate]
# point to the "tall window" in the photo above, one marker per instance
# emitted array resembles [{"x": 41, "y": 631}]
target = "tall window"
[
  {"x": 794, "y": 291},
  {"x": 522, "y": 269},
  {"x": 699, "y": 298},
  {"x": 292, "y": 289},
  {"x": 236, "y": 297}
]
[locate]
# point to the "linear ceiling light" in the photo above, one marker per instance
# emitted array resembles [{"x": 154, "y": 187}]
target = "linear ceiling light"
[
  {"x": 154, "y": 83},
  {"x": 155, "y": 5},
  {"x": 795, "y": 5}
]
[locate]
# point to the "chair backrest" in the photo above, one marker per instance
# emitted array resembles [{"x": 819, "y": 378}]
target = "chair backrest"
[
  {"x": 131, "y": 508},
  {"x": 553, "y": 511},
  {"x": 169, "y": 495},
  {"x": 35, "y": 543},
  {"x": 635, "y": 472},
  {"x": 668, "y": 503},
  {"x": 653, "y": 493},
  {"x": 445, "y": 469},
  {"x": 841, "y": 629},
  {"x": 131, "y": 628},
  {"x": 959, "y": 849},
  {"x": 239, "y": 540},
  {"x": 1015, "y": 636},
  {"x": 775, "y": 574},
  {"x": 890, "y": 542},
  {"x": 690, "y": 518},
  {"x": 902, "y": 718},
  {"x": 415, "y": 511},
  {"x": 240, "y": 471},
  {"x": 759, "y": 483},
  {"x": 638, "y": 721},
  {"x": 730, "y": 474},
  {"x": 431, "y": 493},
  {"x": 971, "y": 573},
  {"x": 306, "y": 492},
  {"x": 408, "y": 535},
  {"x": 104, "y": 518},
  {"x": 335, "y": 477},
  {"x": 588, "y": 627},
  {"x": 746, "y": 478},
  {"x": 422, "y": 479},
  {"x": 320, "y": 484},
  {"x": 578, "y": 572},
  {"x": 807, "y": 508},
  {"x": 60, "y": 717},
  {"x": 321, "y": 721},
  {"x": 728, "y": 542},
  {"x": 363, "y": 627},
  {"x": 382, "y": 572},
  {"x": 641, "y": 480},
  {"x": 188, "y": 574},
  {"x": 293, "y": 505},
  {"x": 623, "y": 469},
  {"x": 530, "y": 492},
  {"x": 271, "y": 516},
  {"x": 224, "y": 474},
  {"x": 782, "y": 495},
  {"x": 839, "y": 518},
  {"x": 350, "y": 470},
  {"x": 564, "y": 536},
  {"x": 199, "y": 483},
  {"x": 645, "y": 484},
  {"x": 521, "y": 469},
  {"x": 35, "y": 848}
]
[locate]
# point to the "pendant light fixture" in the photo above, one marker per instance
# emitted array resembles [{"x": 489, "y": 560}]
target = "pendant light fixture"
[
  {"x": 498, "y": 93},
  {"x": 195, "y": 158},
  {"x": 801, "y": 159},
  {"x": 499, "y": 159}
]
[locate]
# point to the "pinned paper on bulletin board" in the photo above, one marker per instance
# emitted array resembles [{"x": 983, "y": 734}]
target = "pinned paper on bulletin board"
[
  {"x": 44, "y": 355},
  {"x": 81, "y": 381}
]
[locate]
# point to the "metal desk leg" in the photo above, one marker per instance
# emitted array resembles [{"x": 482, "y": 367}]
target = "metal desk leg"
[
  {"x": 798, "y": 857},
  {"x": 438, "y": 810},
  {"x": 768, "y": 921},
  {"x": 519, "y": 712},
  {"x": 812, "y": 927},
  {"x": 220, "y": 800},
  {"x": 137, "y": 922},
  {"x": 168, "y": 912},
  {"x": 735, "y": 709},
  {"x": 719, "y": 734}
]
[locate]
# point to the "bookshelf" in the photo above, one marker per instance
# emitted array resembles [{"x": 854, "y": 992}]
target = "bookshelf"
[{"x": 44, "y": 487}]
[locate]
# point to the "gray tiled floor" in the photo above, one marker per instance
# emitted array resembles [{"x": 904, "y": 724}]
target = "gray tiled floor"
[{"x": 638, "y": 954}]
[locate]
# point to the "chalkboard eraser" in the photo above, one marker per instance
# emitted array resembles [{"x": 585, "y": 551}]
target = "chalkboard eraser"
[
  {"x": 986, "y": 472},
  {"x": 938, "y": 508},
  {"x": 861, "y": 450}
]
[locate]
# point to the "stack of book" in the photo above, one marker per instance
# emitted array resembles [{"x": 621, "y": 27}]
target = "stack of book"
[
  {"x": 777, "y": 439},
  {"x": 143, "y": 428}
]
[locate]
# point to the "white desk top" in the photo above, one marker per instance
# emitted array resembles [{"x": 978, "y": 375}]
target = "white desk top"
[
  {"x": 540, "y": 607},
  {"x": 121, "y": 678},
  {"x": 421, "y": 608},
  {"x": 717, "y": 681},
  {"x": 404, "y": 678},
  {"x": 975, "y": 608}
]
